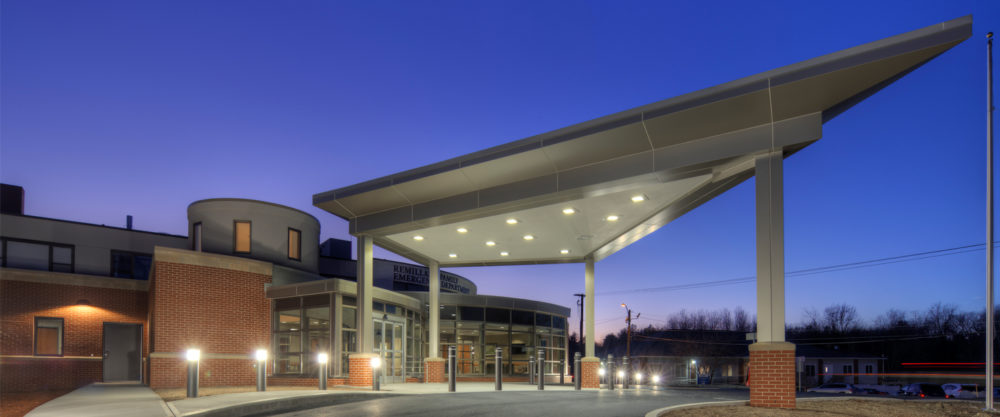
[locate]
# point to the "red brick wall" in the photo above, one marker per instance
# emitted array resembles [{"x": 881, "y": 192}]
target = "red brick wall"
[
  {"x": 434, "y": 371},
  {"x": 360, "y": 372},
  {"x": 83, "y": 329},
  {"x": 304, "y": 382},
  {"x": 589, "y": 374},
  {"x": 219, "y": 311},
  {"x": 772, "y": 378}
]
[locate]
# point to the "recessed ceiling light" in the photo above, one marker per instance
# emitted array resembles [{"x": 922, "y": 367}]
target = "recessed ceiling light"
[
  {"x": 490, "y": 243},
  {"x": 529, "y": 237},
  {"x": 569, "y": 210},
  {"x": 452, "y": 255},
  {"x": 511, "y": 221},
  {"x": 418, "y": 237},
  {"x": 612, "y": 218},
  {"x": 638, "y": 198},
  {"x": 504, "y": 253},
  {"x": 564, "y": 251},
  {"x": 463, "y": 230}
]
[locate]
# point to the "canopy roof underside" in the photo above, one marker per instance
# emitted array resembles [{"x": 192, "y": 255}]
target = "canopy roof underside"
[{"x": 647, "y": 165}]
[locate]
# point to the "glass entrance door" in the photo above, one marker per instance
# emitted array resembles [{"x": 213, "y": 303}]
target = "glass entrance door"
[{"x": 389, "y": 337}]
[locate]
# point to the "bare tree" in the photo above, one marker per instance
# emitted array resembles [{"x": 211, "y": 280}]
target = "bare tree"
[
  {"x": 741, "y": 320},
  {"x": 841, "y": 318}
]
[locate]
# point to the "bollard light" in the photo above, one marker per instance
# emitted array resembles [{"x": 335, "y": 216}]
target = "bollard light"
[
  {"x": 261, "y": 355},
  {"x": 322, "y": 358},
  {"x": 638, "y": 377},
  {"x": 193, "y": 357},
  {"x": 601, "y": 372},
  {"x": 376, "y": 362},
  {"x": 621, "y": 374},
  {"x": 656, "y": 379}
]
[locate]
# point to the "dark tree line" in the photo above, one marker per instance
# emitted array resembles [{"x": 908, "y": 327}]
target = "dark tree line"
[{"x": 941, "y": 333}]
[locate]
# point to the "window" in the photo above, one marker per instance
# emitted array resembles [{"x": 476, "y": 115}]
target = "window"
[
  {"x": 810, "y": 370},
  {"x": 37, "y": 255},
  {"x": 130, "y": 265},
  {"x": 48, "y": 336},
  {"x": 848, "y": 369},
  {"x": 241, "y": 236},
  {"x": 196, "y": 237},
  {"x": 868, "y": 369},
  {"x": 294, "y": 244}
]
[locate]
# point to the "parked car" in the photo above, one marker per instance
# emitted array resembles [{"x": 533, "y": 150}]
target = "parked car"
[
  {"x": 964, "y": 391},
  {"x": 922, "y": 390},
  {"x": 834, "y": 388}
]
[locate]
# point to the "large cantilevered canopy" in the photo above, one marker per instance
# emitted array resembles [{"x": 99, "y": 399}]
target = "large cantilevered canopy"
[{"x": 591, "y": 189}]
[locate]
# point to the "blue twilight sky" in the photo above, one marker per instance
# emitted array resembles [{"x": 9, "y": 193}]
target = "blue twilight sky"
[{"x": 110, "y": 108}]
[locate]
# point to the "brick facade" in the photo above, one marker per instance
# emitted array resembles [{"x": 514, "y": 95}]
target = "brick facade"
[
  {"x": 220, "y": 309},
  {"x": 590, "y": 378},
  {"x": 772, "y": 375},
  {"x": 434, "y": 370},
  {"x": 83, "y": 328}
]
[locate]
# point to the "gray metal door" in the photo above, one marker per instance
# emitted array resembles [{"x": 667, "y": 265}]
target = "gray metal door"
[{"x": 122, "y": 352}]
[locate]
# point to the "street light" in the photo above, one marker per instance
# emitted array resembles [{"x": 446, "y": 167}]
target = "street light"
[{"x": 628, "y": 328}]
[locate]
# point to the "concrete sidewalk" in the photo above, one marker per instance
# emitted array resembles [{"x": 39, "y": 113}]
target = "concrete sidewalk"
[
  {"x": 106, "y": 400},
  {"x": 131, "y": 399}
]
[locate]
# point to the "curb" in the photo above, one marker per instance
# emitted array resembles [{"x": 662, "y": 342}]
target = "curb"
[
  {"x": 658, "y": 411},
  {"x": 283, "y": 405}
]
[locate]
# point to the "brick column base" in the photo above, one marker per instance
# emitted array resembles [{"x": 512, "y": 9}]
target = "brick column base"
[
  {"x": 359, "y": 373},
  {"x": 589, "y": 376},
  {"x": 434, "y": 370},
  {"x": 772, "y": 375}
]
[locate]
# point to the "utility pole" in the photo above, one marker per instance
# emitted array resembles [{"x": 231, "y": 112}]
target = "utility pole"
[
  {"x": 628, "y": 330},
  {"x": 580, "y": 303},
  {"x": 989, "y": 221}
]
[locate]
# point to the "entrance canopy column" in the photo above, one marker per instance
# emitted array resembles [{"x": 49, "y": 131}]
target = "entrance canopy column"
[
  {"x": 434, "y": 363},
  {"x": 589, "y": 365},
  {"x": 772, "y": 360},
  {"x": 360, "y": 371}
]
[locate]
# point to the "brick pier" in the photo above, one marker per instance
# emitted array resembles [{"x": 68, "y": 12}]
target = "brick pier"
[{"x": 772, "y": 375}]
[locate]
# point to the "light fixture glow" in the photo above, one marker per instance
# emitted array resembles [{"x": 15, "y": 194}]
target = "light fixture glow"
[
  {"x": 638, "y": 198},
  {"x": 452, "y": 255},
  {"x": 569, "y": 210},
  {"x": 490, "y": 243},
  {"x": 511, "y": 221},
  {"x": 621, "y": 374},
  {"x": 261, "y": 355},
  {"x": 656, "y": 379},
  {"x": 529, "y": 237},
  {"x": 638, "y": 377},
  {"x": 693, "y": 361},
  {"x": 463, "y": 230},
  {"x": 322, "y": 358},
  {"x": 193, "y": 355},
  {"x": 600, "y": 372},
  {"x": 612, "y": 218},
  {"x": 376, "y": 362},
  {"x": 564, "y": 251},
  {"x": 418, "y": 238},
  {"x": 504, "y": 253}
]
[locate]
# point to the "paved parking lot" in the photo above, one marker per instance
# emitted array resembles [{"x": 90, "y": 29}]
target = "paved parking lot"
[{"x": 527, "y": 403}]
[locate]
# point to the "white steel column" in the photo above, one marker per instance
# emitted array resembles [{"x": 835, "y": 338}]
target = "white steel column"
[
  {"x": 588, "y": 308},
  {"x": 770, "y": 248},
  {"x": 434, "y": 309},
  {"x": 366, "y": 328}
]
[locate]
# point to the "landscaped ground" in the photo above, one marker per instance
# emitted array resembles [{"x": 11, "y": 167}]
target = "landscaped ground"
[
  {"x": 853, "y": 407},
  {"x": 17, "y": 404}
]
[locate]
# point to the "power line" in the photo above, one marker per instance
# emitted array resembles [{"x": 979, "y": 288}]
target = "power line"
[{"x": 812, "y": 271}]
